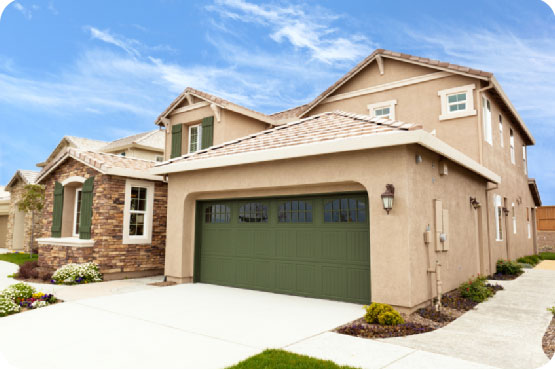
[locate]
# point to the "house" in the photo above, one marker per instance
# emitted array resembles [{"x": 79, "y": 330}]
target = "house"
[
  {"x": 340, "y": 198},
  {"x": 103, "y": 208},
  {"x": 4, "y": 215},
  {"x": 19, "y": 224}
]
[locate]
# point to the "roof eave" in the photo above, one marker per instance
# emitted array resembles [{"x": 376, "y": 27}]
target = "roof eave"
[{"x": 535, "y": 192}]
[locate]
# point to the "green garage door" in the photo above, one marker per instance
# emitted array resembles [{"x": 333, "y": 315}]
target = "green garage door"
[{"x": 313, "y": 246}]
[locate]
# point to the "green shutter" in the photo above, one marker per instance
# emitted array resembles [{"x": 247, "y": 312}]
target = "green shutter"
[
  {"x": 207, "y": 132},
  {"x": 58, "y": 209},
  {"x": 176, "y": 140},
  {"x": 86, "y": 209}
]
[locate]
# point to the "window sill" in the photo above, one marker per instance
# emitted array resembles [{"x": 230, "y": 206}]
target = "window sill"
[
  {"x": 67, "y": 242},
  {"x": 444, "y": 117},
  {"x": 130, "y": 240}
]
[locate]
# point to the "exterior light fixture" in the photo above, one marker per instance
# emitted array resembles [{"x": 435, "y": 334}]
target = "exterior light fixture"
[
  {"x": 387, "y": 197},
  {"x": 474, "y": 202},
  {"x": 506, "y": 211}
]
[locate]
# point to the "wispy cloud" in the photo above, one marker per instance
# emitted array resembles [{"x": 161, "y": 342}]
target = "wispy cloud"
[
  {"x": 128, "y": 45},
  {"x": 23, "y": 10},
  {"x": 307, "y": 28}
]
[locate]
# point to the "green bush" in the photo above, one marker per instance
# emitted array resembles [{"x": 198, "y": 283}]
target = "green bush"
[
  {"x": 552, "y": 310},
  {"x": 18, "y": 291},
  {"x": 506, "y": 267},
  {"x": 374, "y": 310},
  {"x": 476, "y": 289},
  {"x": 547, "y": 255},
  {"x": 390, "y": 318},
  {"x": 530, "y": 260}
]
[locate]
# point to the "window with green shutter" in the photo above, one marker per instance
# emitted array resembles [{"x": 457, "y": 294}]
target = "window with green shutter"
[
  {"x": 58, "y": 210},
  {"x": 207, "y": 132},
  {"x": 176, "y": 140},
  {"x": 85, "y": 218}
]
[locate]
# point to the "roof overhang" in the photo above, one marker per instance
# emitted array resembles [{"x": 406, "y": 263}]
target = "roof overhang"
[
  {"x": 133, "y": 146},
  {"x": 364, "y": 142},
  {"x": 535, "y": 192},
  {"x": 17, "y": 175}
]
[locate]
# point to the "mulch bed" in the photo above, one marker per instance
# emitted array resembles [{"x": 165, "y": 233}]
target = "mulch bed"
[
  {"x": 498, "y": 276},
  {"x": 548, "y": 341},
  {"x": 421, "y": 321},
  {"x": 163, "y": 283}
]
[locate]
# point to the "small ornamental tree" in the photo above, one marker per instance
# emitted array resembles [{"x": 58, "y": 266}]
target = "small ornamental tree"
[{"x": 32, "y": 201}]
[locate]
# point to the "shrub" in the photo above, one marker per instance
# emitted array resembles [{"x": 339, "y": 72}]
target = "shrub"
[
  {"x": 476, "y": 289},
  {"x": 506, "y": 267},
  {"x": 28, "y": 270},
  {"x": 531, "y": 260},
  {"x": 19, "y": 291},
  {"x": 74, "y": 273},
  {"x": 374, "y": 310},
  {"x": 390, "y": 318},
  {"x": 7, "y": 306},
  {"x": 547, "y": 255}
]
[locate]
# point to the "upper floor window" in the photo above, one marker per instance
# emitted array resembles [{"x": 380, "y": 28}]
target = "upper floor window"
[
  {"x": 486, "y": 118},
  {"x": 385, "y": 109},
  {"x": 253, "y": 212},
  {"x": 344, "y": 210},
  {"x": 524, "y": 159},
  {"x": 457, "y": 102},
  {"x": 195, "y": 138},
  {"x": 295, "y": 211},
  {"x": 138, "y": 212},
  {"x": 512, "y": 145},
  {"x": 77, "y": 212},
  {"x": 501, "y": 130},
  {"x": 498, "y": 218}
]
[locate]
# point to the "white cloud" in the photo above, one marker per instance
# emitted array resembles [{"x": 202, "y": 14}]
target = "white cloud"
[
  {"x": 26, "y": 12},
  {"x": 128, "y": 45},
  {"x": 303, "y": 27}
]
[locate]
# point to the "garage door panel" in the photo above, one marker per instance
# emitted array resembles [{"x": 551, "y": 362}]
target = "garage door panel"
[
  {"x": 264, "y": 243},
  {"x": 358, "y": 284},
  {"x": 265, "y": 275},
  {"x": 334, "y": 282},
  {"x": 334, "y": 245},
  {"x": 357, "y": 247},
  {"x": 309, "y": 244},
  {"x": 245, "y": 274},
  {"x": 286, "y": 277},
  {"x": 309, "y": 280},
  {"x": 244, "y": 243},
  {"x": 218, "y": 270},
  {"x": 286, "y": 244},
  {"x": 217, "y": 242}
]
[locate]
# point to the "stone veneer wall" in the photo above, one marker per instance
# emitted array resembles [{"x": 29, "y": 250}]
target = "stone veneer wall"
[
  {"x": 546, "y": 241},
  {"x": 16, "y": 192},
  {"x": 109, "y": 252}
]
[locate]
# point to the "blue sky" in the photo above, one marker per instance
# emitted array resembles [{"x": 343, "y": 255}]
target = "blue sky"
[{"x": 106, "y": 69}]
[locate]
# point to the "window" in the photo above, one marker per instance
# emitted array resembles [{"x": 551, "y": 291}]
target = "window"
[
  {"x": 512, "y": 145},
  {"x": 498, "y": 218},
  {"x": 138, "y": 212},
  {"x": 384, "y": 109},
  {"x": 501, "y": 131},
  {"x": 253, "y": 212},
  {"x": 514, "y": 217},
  {"x": 295, "y": 211},
  {"x": 529, "y": 227},
  {"x": 486, "y": 118},
  {"x": 524, "y": 159},
  {"x": 217, "y": 214},
  {"x": 457, "y": 102},
  {"x": 77, "y": 212},
  {"x": 195, "y": 133},
  {"x": 344, "y": 210},
  {"x": 122, "y": 154}
]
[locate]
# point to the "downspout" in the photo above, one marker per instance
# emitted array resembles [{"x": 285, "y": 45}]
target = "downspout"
[
  {"x": 488, "y": 223},
  {"x": 480, "y": 121}
]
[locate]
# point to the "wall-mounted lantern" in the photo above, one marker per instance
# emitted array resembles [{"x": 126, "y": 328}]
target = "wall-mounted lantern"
[
  {"x": 506, "y": 211},
  {"x": 474, "y": 202},
  {"x": 387, "y": 197}
]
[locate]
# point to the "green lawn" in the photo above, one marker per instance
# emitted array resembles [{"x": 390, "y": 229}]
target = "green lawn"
[
  {"x": 547, "y": 255},
  {"x": 278, "y": 359},
  {"x": 18, "y": 258}
]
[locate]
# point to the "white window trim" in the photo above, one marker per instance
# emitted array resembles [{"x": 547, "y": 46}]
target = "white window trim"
[
  {"x": 71, "y": 179},
  {"x": 384, "y": 104},
  {"x": 501, "y": 140},
  {"x": 199, "y": 138},
  {"x": 486, "y": 121},
  {"x": 512, "y": 146},
  {"x": 77, "y": 191},
  {"x": 497, "y": 203},
  {"x": 513, "y": 210},
  {"x": 524, "y": 162},
  {"x": 469, "y": 111},
  {"x": 147, "y": 237}
]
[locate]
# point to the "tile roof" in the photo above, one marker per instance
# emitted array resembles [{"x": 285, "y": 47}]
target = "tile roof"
[
  {"x": 28, "y": 176},
  {"x": 153, "y": 139},
  {"x": 101, "y": 162},
  {"x": 318, "y": 128},
  {"x": 86, "y": 144}
]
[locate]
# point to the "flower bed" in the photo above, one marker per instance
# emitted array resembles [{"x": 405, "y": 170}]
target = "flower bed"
[
  {"x": 454, "y": 304},
  {"x": 506, "y": 270},
  {"x": 74, "y": 273},
  {"x": 21, "y": 297}
]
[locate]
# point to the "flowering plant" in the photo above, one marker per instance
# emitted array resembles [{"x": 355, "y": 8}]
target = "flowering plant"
[
  {"x": 7, "y": 306},
  {"x": 22, "y": 295},
  {"x": 74, "y": 273}
]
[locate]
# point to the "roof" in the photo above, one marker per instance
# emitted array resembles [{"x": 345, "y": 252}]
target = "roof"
[
  {"x": 105, "y": 163},
  {"x": 326, "y": 133},
  {"x": 150, "y": 140},
  {"x": 535, "y": 192},
  {"x": 28, "y": 177},
  {"x": 73, "y": 142},
  {"x": 220, "y": 102}
]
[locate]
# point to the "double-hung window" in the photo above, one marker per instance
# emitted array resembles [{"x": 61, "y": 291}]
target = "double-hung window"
[
  {"x": 486, "y": 118},
  {"x": 512, "y": 145},
  {"x": 498, "y": 218},
  {"x": 77, "y": 212},
  {"x": 385, "y": 109},
  {"x": 501, "y": 131},
  {"x": 137, "y": 218},
  {"x": 195, "y": 138}
]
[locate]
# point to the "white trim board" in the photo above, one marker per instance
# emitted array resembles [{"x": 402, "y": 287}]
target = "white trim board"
[
  {"x": 369, "y": 141},
  {"x": 191, "y": 107},
  {"x": 388, "y": 86},
  {"x": 66, "y": 242}
]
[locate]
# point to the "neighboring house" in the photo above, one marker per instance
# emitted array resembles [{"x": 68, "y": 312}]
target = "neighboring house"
[
  {"x": 103, "y": 208},
  {"x": 4, "y": 215},
  {"x": 546, "y": 228},
  {"x": 18, "y": 236},
  {"x": 298, "y": 208}
]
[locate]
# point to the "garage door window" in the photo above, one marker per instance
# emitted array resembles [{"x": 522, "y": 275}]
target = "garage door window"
[
  {"x": 253, "y": 212},
  {"x": 295, "y": 211},
  {"x": 344, "y": 210},
  {"x": 217, "y": 214}
]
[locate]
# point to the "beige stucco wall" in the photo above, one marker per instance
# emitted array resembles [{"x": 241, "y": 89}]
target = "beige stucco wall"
[
  {"x": 399, "y": 258},
  {"x": 231, "y": 126},
  {"x": 139, "y": 153},
  {"x": 3, "y": 230}
]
